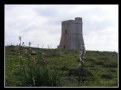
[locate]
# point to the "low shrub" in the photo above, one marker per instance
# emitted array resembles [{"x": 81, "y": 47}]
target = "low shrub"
[{"x": 107, "y": 75}]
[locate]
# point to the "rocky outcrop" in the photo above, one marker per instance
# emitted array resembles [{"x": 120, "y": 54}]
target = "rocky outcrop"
[{"x": 80, "y": 71}]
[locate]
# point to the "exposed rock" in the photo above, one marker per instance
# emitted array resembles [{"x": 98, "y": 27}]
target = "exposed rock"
[
  {"x": 82, "y": 71},
  {"x": 33, "y": 53}
]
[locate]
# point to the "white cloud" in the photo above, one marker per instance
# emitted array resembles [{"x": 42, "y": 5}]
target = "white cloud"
[{"x": 41, "y": 24}]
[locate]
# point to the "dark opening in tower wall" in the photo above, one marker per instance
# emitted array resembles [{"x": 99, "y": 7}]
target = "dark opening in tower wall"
[
  {"x": 64, "y": 47},
  {"x": 65, "y": 31}
]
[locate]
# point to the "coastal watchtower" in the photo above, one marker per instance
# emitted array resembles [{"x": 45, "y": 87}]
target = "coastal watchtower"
[{"x": 72, "y": 35}]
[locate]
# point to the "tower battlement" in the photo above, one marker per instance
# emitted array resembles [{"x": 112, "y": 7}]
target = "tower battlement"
[{"x": 78, "y": 19}]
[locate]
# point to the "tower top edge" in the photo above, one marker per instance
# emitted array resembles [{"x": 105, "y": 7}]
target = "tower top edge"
[
  {"x": 67, "y": 21},
  {"x": 79, "y": 19}
]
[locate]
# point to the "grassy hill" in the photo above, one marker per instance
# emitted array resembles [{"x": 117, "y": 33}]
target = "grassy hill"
[{"x": 103, "y": 66}]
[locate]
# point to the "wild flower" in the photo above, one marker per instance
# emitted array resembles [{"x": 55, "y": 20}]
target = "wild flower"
[
  {"x": 79, "y": 64},
  {"x": 23, "y": 44},
  {"x": 33, "y": 58},
  {"x": 21, "y": 57},
  {"x": 29, "y": 44},
  {"x": 43, "y": 53},
  {"x": 32, "y": 73},
  {"x": 20, "y": 39},
  {"x": 33, "y": 78},
  {"x": 26, "y": 51}
]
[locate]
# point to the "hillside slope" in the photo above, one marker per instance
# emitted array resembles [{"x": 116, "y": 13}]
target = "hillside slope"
[{"x": 103, "y": 66}]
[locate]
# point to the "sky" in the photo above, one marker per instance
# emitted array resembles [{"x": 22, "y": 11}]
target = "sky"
[{"x": 41, "y": 24}]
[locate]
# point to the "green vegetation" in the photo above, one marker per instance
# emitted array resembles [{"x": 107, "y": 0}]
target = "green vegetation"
[{"x": 50, "y": 67}]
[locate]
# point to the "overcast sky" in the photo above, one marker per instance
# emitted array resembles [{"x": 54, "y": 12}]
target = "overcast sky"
[{"x": 41, "y": 25}]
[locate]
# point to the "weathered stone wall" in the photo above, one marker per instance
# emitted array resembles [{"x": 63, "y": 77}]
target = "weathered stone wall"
[{"x": 71, "y": 35}]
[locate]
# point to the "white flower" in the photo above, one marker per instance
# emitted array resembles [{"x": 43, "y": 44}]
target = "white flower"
[
  {"x": 79, "y": 64},
  {"x": 43, "y": 53},
  {"x": 21, "y": 57}
]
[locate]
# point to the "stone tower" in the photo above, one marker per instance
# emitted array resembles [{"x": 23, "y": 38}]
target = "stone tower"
[{"x": 72, "y": 35}]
